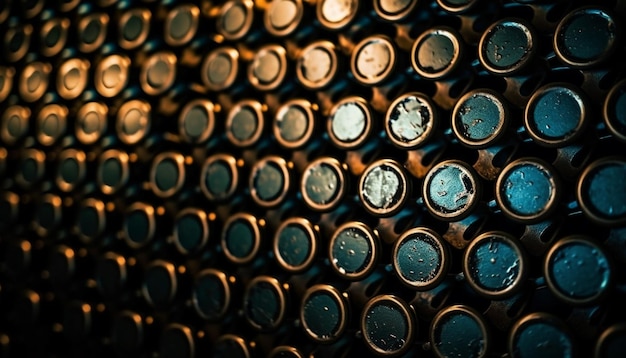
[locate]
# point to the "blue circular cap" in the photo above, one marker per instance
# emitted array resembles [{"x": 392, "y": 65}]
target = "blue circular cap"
[
  {"x": 211, "y": 294},
  {"x": 451, "y": 190},
  {"x": 264, "y": 303},
  {"x": 353, "y": 250},
  {"x": 540, "y": 335},
  {"x": 269, "y": 181},
  {"x": 139, "y": 225},
  {"x": 231, "y": 346},
  {"x": 601, "y": 192},
  {"x": 527, "y": 190},
  {"x": 295, "y": 244},
  {"x": 506, "y": 46},
  {"x": 555, "y": 115},
  {"x": 191, "y": 230},
  {"x": 420, "y": 258},
  {"x": 612, "y": 342},
  {"x": 159, "y": 284},
  {"x": 167, "y": 175},
  {"x": 459, "y": 331},
  {"x": 585, "y": 37},
  {"x": 388, "y": 325},
  {"x": 322, "y": 184},
  {"x": 615, "y": 110},
  {"x": 479, "y": 118},
  {"x": 494, "y": 265},
  {"x": 323, "y": 313},
  {"x": 410, "y": 120},
  {"x": 241, "y": 238},
  {"x": 577, "y": 270}
]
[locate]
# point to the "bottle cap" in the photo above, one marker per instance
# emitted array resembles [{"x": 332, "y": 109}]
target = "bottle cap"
[
  {"x": 72, "y": 78},
  {"x": 167, "y": 174},
  {"x": 420, "y": 258},
  {"x": 14, "y": 124},
  {"x": 317, "y": 64},
  {"x": 241, "y": 238},
  {"x": 294, "y": 123},
  {"x": 336, "y": 14},
  {"x": 91, "y": 122},
  {"x": 411, "y": 120},
  {"x": 158, "y": 73},
  {"x": 350, "y": 123},
  {"x": 244, "y": 124},
  {"x": 268, "y": 68},
  {"x": 111, "y": 75},
  {"x": 282, "y": 17},
  {"x": 196, "y": 121},
  {"x": 92, "y": 31},
  {"x": 394, "y": 10},
  {"x": 133, "y": 121},
  {"x": 600, "y": 191},
  {"x": 71, "y": 169},
  {"x": 324, "y": 313},
  {"x": 269, "y": 181},
  {"x": 235, "y": 19},
  {"x": 264, "y": 303},
  {"x": 507, "y": 46},
  {"x": 451, "y": 190},
  {"x": 211, "y": 294},
  {"x": 353, "y": 251},
  {"x": 614, "y": 110},
  {"x": 181, "y": 24},
  {"x": 494, "y": 265},
  {"x": 191, "y": 230},
  {"x": 373, "y": 60},
  {"x": 53, "y": 36},
  {"x": 323, "y": 184},
  {"x": 384, "y": 187},
  {"x": 480, "y": 118},
  {"x": 219, "y": 178},
  {"x": 133, "y": 28},
  {"x": 220, "y": 68},
  {"x": 436, "y": 52},
  {"x": 535, "y": 328},
  {"x": 159, "y": 284},
  {"x": 388, "y": 325},
  {"x": 459, "y": 331},
  {"x": 33, "y": 81},
  {"x": 295, "y": 244},
  {"x": 177, "y": 342},
  {"x": 139, "y": 225},
  {"x": 113, "y": 171}
]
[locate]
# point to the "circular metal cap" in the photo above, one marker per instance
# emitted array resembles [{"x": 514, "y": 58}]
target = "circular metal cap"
[
  {"x": 373, "y": 60},
  {"x": 33, "y": 81},
  {"x": 336, "y": 14},
  {"x": 411, "y": 120},
  {"x": 578, "y": 271},
  {"x": 15, "y": 123},
  {"x": 614, "y": 110},
  {"x": 133, "y": 28},
  {"x": 350, "y": 123},
  {"x": 181, "y": 24},
  {"x": 241, "y": 238},
  {"x": 459, "y": 331},
  {"x": 527, "y": 190},
  {"x": 294, "y": 123},
  {"x": 556, "y": 115},
  {"x": 451, "y": 190},
  {"x": 167, "y": 174},
  {"x": 264, "y": 303},
  {"x": 268, "y": 68},
  {"x": 480, "y": 118},
  {"x": 158, "y": 73},
  {"x": 92, "y": 30},
  {"x": 285, "y": 352},
  {"x": 127, "y": 332},
  {"x": 229, "y": 345},
  {"x": 245, "y": 122},
  {"x": 394, "y": 10},
  {"x": 269, "y": 181},
  {"x": 139, "y": 225},
  {"x": 61, "y": 265},
  {"x": 323, "y": 184},
  {"x": 191, "y": 230},
  {"x": 159, "y": 283},
  {"x": 612, "y": 342},
  {"x": 420, "y": 258},
  {"x": 383, "y": 187},
  {"x": 17, "y": 42},
  {"x": 53, "y": 36},
  {"x": 494, "y": 265},
  {"x": 113, "y": 171},
  {"x": 324, "y": 313},
  {"x": 6, "y": 81},
  {"x": 295, "y": 244},
  {"x": 353, "y": 250},
  {"x": 177, "y": 342},
  {"x": 71, "y": 169},
  {"x": 51, "y": 123},
  {"x": 211, "y": 294},
  {"x": 219, "y": 178},
  {"x": 235, "y": 19},
  {"x": 77, "y": 321},
  {"x": 220, "y": 68},
  {"x": 91, "y": 122},
  {"x": 196, "y": 121},
  {"x": 600, "y": 191},
  {"x": 457, "y": 6},
  {"x": 133, "y": 121},
  {"x": 72, "y": 78},
  {"x": 388, "y": 325},
  {"x": 540, "y": 327},
  {"x": 586, "y": 37},
  {"x": 317, "y": 64},
  {"x": 507, "y": 46},
  {"x": 282, "y": 17},
  {"x": 32, "y": 167},
  {"x": 111, "y": 75},
  {"x": 111, "y": 274},
  {"x": 436, "y": 52},
  {"x": 48, "y": 215}
]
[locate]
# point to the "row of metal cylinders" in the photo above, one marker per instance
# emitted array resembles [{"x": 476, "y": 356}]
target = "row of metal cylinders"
[{"x": 314, "y": 306}]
